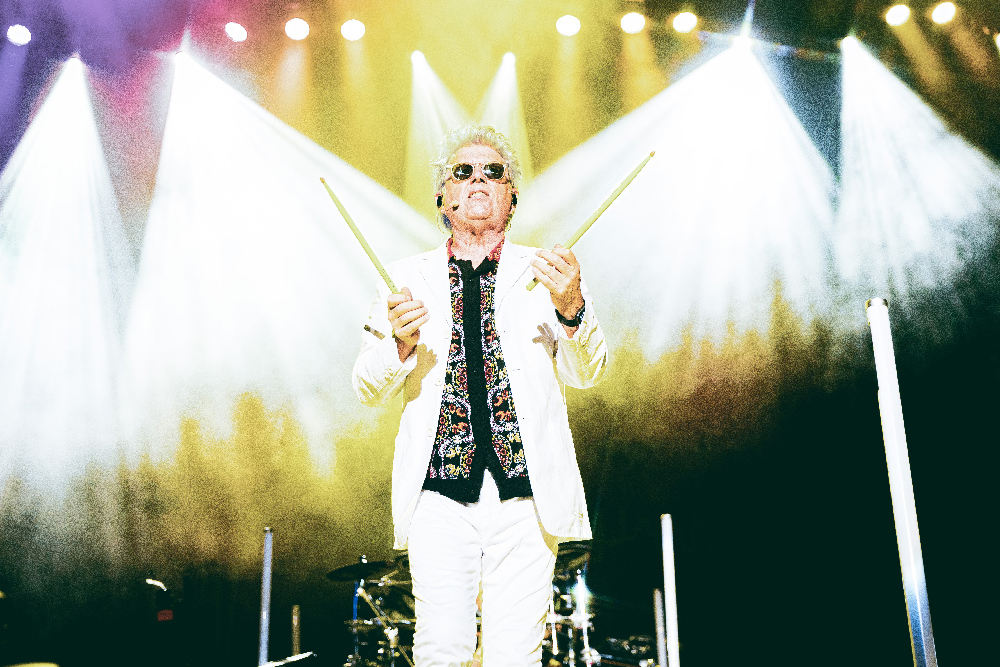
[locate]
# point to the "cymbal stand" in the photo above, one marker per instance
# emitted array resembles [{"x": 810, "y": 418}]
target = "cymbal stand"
[
  {"x": 355, "y": 659},
  {"x": 581, "y": 619},
  {"x": 552, "y": 621},
  {"x": 390, "y": 629}
]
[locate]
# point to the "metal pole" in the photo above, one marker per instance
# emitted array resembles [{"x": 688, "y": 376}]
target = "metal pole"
[
  {"x": 661, "y": 631},
  {"x": 904, "y": 509},
  {"x": 670, "y": 591},
  {"x": 296, "y": 630},
  {"x": 265, "y": 597}
]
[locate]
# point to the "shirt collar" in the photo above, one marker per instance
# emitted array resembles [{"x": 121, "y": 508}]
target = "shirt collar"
[{"x": 493, "y": 256}]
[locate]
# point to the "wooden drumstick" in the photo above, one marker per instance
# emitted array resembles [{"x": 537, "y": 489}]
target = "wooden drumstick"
[
  {"x": 361, "y": 238},
  {"x": 607, "y": 202}
]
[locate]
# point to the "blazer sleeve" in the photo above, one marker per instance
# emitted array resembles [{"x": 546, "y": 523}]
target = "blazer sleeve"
[
  {"x": 378, "y": 374},
  {"x": 582, "y": 359}
]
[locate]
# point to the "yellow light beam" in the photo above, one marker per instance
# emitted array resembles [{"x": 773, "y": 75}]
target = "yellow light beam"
[
  {"x": 361, "y": 237},
  {"x": 607, "y": 202}
]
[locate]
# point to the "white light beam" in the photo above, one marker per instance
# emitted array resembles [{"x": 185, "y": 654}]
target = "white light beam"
[
  {"x": 737, "y": 200},
  {"x": 65, "y": 272},
  {"x": 249, "y": 279},
  {"x": 433, "y": 112}
]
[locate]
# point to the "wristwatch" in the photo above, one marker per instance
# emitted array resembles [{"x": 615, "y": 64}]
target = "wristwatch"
[{"x": 577, "y": 319}]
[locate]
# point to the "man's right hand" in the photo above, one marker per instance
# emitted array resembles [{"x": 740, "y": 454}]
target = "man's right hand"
[{"x": 406, "y": 316}]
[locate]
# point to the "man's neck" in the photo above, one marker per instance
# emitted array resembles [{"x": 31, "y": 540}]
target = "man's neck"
[{"x": 475, "y": 245}]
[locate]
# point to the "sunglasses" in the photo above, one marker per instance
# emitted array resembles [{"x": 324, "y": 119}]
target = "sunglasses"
[{"x": 463, "y": 170}]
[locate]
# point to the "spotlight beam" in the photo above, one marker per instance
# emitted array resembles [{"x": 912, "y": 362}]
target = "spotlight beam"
[
  {"x": 748, "y": 19},
  {"x": 65, "y": 274},
  {"x": 501, "y": 108},
  {"x": 245, "y": 282},
  {"x": 738, "y": 205}
]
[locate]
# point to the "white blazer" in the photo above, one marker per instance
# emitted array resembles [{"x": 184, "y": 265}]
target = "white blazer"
[{"x": 540, "y": 360}]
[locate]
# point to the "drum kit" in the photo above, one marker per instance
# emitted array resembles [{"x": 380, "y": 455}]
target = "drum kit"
[
  {"x": 384, "y": 638},
  {"x": 385, "y": 587}
]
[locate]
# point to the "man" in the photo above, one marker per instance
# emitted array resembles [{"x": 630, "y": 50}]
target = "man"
[{"x": 485, "y": 481}]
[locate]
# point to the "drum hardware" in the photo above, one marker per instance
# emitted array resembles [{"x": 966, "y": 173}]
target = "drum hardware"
[
  {"x": 581, "y": 620},
  {"x": 388, "y": 627},
  {"x": 552, "y": 621},
  {"x": 383, "y": 585},
  {"x": 568, "y": 608}
]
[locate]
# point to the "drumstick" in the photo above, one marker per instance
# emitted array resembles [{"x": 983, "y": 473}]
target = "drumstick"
[
  {"x": 607, "y": 202},
  {"x": 360, "y": 237}
]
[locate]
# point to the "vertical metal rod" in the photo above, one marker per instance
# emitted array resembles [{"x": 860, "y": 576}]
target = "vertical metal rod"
[
  {"x": 265, "y": 598},
  {"x": 296, "y": 630},
  {"x": 661, "y": 632},
  {"x": 670, "y": 591},
  {"x": 358, "y": 586},
  {"x": 904, "y": 509},
  {"x": 552, "y": 620}
]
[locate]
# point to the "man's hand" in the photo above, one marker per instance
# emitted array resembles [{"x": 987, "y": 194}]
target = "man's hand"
[
  {"x": 560, "y": 273},
  {"x": 406, "y": 316}
]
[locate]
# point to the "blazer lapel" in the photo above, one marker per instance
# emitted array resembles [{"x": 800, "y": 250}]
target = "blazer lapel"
[
  {"x": 434, "y": 270},
  {"x": 513, "y": 270}
]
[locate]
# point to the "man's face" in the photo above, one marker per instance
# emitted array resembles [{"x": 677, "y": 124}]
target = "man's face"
[{"x": 482, "y": 203}]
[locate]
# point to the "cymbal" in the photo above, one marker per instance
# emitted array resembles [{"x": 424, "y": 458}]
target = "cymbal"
[
  {"x": 366, "y": 624},
  {"x": 363, "y": 570},
  {"x": 572, "y": 557},
  {"x": 573, "y": 550}
]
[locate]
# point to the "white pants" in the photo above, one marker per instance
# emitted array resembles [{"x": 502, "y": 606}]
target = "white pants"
[{"x": 453, "y": 546}]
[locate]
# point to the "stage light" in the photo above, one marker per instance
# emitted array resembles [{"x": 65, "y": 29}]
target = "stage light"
[
  {"x": 18, "y": 35},
  {"x": 352, "y": 30},
  {"x": 685, "y": 22},
  {"x": 297, "y": 29},
  {"x": 997, "y": 40},
  {"x": 897, "y": 15},
  {"x": 417, "y": 58},
  {"x": 236, "y": 32},
  {"x": 568, "y": 25},
  {"x": 943, "y": 13},
  {"x": 633, "y": 22}
]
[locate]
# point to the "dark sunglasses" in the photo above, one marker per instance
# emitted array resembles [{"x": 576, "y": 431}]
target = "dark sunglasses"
[{"x": 463, "y": 170}]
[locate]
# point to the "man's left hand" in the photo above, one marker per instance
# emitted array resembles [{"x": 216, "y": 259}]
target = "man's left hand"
[{"x": 559, "y": 271}]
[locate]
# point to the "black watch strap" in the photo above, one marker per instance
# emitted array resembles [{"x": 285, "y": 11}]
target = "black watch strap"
[{"x": 575, "y": 322}]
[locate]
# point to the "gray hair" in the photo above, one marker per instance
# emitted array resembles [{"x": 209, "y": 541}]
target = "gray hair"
[{"x": 466, "y": 135}]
